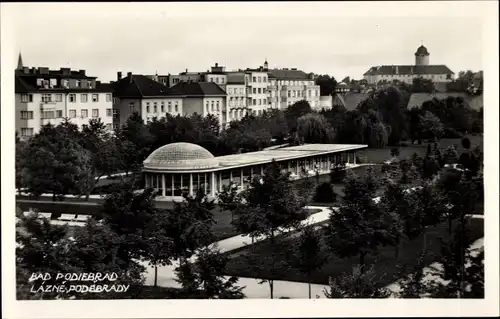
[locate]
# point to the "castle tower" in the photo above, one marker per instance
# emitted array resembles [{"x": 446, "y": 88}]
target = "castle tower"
[{"x": 422, "y": 56}]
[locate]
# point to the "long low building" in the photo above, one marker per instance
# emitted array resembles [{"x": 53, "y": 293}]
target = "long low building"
[{"x": 178, "y": 168}]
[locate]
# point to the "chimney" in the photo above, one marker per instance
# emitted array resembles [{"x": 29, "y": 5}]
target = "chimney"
[
  {"x": 216, "y": 64},
  {"x": 129, "y": 75},
  {"x": 82, "y": 72},
  {"x": 118, "y": 76},
  {"x": 186, "y": 70},
  {"x": 26, "y": 70}
]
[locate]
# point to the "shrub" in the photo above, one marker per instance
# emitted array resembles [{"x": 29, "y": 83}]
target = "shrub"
[
  {"x": 451, "y": 133},
  {"x": 394, "y": 152},
  {"x": 325, "y": 193},
  {"x": 337, "y": 174},
  {"x": 359, "y": 160}
]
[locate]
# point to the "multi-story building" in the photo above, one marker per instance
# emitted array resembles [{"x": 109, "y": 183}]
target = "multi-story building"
[
  {"x": 217, "y": 75},
  {"x": 236, "y": 96},
  {"x": 288, "y": 86},
  {"x": 45, "y": 96},
  {"x": 406, "y": 73},
  {"x": 257, "y": 89},
  {"x": 140, "y": 94}
]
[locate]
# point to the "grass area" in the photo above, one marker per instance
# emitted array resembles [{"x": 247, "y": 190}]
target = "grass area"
[
  {"x": 379, "y": 155},
  {"x": 256, "y": 261}
]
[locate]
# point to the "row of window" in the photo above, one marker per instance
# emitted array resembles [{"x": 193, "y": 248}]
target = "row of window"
[
  {"x": 237, "y": 101},
  {"x": 47, "y": 98},
  {"x": 235, "y": 91},
  {"x": 282, "y": 82},
  {"x": 297, "y": 93},
  {"x": 217, "y": 80},
  {"x": 46, "y": 115},
  {"x": 259, "y": 90},
  {"x": 209, "y": 105},
  {"x": 260, "y": 101},
  {"x": 162, "y": 107},
  {"x": 259, "y": 79},
  {"x": 28, "y": 131},
  {"x": 237, "y": 113}
]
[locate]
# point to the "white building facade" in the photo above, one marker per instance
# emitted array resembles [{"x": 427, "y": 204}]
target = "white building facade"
[{"x": 44, "y": 96}]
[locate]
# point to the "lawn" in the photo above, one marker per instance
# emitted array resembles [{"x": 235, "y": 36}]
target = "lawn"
[
  {"x": 255, "y": 261},
  {"x": 379, "y": 155}
]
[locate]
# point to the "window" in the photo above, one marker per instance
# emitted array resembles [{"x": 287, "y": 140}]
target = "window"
[
  {"x": 109, "y": 126},
  {"x": 309, "y": 93},
  {"x": 259, "y": 79},
  {"x": 289, "y": 93},
  {"x": 59, "y": 114},
  {"x": 65, "y": 83},
  {"x": 115, "y": 127},
  {"x": 46, "y": 98},
  {"x": 24, "y": 98},
  {"x": 254, "y": 102},
  {"x": 162, "y": 106},
  {"x": 47, "y": 115},
  {"x": 176, "y": 107},
  {"x": 58, "y": 97},
  {"x": 155, "y": 107},
  {"x": 95, "y": 97},
  {"x": 78, "y": 83},
  {"x": 259, "y": 90},
  {"x": 317, "y": 92},
  {"x": 169, "y": 106},
  {"x": 115, "y": 113},
  {"x": 108, "y": 97},
  {"x": 217, "y": 80},
  {"x": 222, "y": 80},
  {"x": 211, "y": 79},
  {"x": 84, "y": 113},
  {"x": 254, "y": 79},
  {"x": 72, "y": 114},
  {"x": 95, "y": 113},
  {"x": 72, "y": 98},
  {"x": 217, "y": 107},
  {"x": 254, "y": 90},
  {"x": 131, "y": 106},
  {"x": 84, "y": 98},
  {"x": 26, "y": 115},
  {"x": 264, "y": 79},
  {"x": 115, "y": 100},
  {"x": 26, "y": 131},
  {"x": 207, "y": 106},
  {"x": 212, "y": 105},
  {"x": 147, "y": 107},
  {"x": 108, "y": 112}
]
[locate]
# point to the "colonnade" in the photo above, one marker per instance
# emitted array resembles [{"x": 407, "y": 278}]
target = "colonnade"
[{"x": 175, "y": 184}]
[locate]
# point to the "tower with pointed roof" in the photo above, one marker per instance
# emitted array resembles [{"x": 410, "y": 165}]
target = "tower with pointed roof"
[
  {"x": 422, "y": 56},
  {"x": 266, "y": 65},
  {"x": 20, "y": 62}
]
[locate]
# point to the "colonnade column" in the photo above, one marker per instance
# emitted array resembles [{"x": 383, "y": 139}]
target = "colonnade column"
[
  {"x": 242, "y": 182},
  {"x": 191, "y": 184},
  {"x": 212, "y": 181},
  {"x": 230, "y": 175},
  {"x": 163, "y": 185},
  {"x": 354, "y": 158},
  {"x": 220, "y": 182}
]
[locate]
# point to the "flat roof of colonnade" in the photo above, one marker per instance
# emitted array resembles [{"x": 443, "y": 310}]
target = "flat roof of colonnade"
[{"x": 252, "y": 158}]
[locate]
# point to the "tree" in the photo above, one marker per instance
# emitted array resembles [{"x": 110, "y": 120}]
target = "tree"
[
  {"x": 294, "y": 111},
  {"x": 229, "y": 198},
  {"x": 103, "y": 155},
  {"x": 313, "y": 128},
  {"x": 394, "y": 152},
  {"x": 326, "y": 84},
  {"x": 359, "y": 284},
  {"x": 53, "y": 161},
  {"x": 450, "y": 155},
  {"x": 431, "y": 126},
  {"x": 325, "y": 193},
  {"x": 421, "y": 85},
  {"x": 337, "y": 173},
  {"x": 360, "y": 226},
  {"x": 270, "y": 207},
  {"x": 41, "y": 248},
  {"x": 466, "y": 143},
  {"x": 203, "y": 276},
  {"x": 308, "y": 254}
]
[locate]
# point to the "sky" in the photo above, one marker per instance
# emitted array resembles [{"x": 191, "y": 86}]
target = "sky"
[{"x": 336, "y": 38}]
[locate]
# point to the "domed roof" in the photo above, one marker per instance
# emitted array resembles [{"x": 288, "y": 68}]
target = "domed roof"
[
  {"x": 422, "y": 51},
  {"x": 180, "y": 156}
]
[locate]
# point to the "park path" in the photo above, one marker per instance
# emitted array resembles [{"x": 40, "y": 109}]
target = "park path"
[{"x": 282, "y": 289}]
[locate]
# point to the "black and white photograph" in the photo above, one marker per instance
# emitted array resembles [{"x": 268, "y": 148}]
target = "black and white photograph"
[{"x": 253, "y": 151}]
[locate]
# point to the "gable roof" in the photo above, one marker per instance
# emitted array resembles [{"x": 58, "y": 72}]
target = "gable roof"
[
  {"x": 350, "y": 100},
  {"x": 140, "y": 86},
  {"x": 197, "y": 89},
  {"x": 417, "y": 99},
  {"x": 282, "y": 74},
  {"x": 408, "y": 70}
]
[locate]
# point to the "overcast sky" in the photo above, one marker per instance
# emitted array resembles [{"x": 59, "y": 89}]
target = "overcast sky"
[{"x": 336, "y": 38}]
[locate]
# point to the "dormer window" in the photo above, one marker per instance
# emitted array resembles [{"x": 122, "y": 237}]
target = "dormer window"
[
  {"x": 78, "y": 83},
  {"x": 65, "y": 83}
]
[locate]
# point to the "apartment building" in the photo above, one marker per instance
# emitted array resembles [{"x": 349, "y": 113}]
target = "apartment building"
[
  {"x": 288, "y": 86},
  {"x": 217, "y": 74},
  {"x": 45, "y": 96},
  {"x": 140, "y": 94},
  {"x": 257, "y": 89},
  {"x": 406, "y": 73},
  {"x": 236, "y": 96}
]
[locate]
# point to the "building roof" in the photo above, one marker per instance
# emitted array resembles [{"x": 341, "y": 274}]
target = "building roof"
[
  {"x": 417, "y": 99},
  {"x": 422, "y": 51},
  {"x": 288, "y": 74},
  {"x": 350, "y": 100},
  {"x": 185, "y": 157},
  {"x": 44, "y": 72},
  {"x": 140, "y": 86},
  {"x": 408, "y": 70},
  {"x": 197, "y": 89},
  {"x": 235, "y": 78},
  {"x": 27, "y": 85}
]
